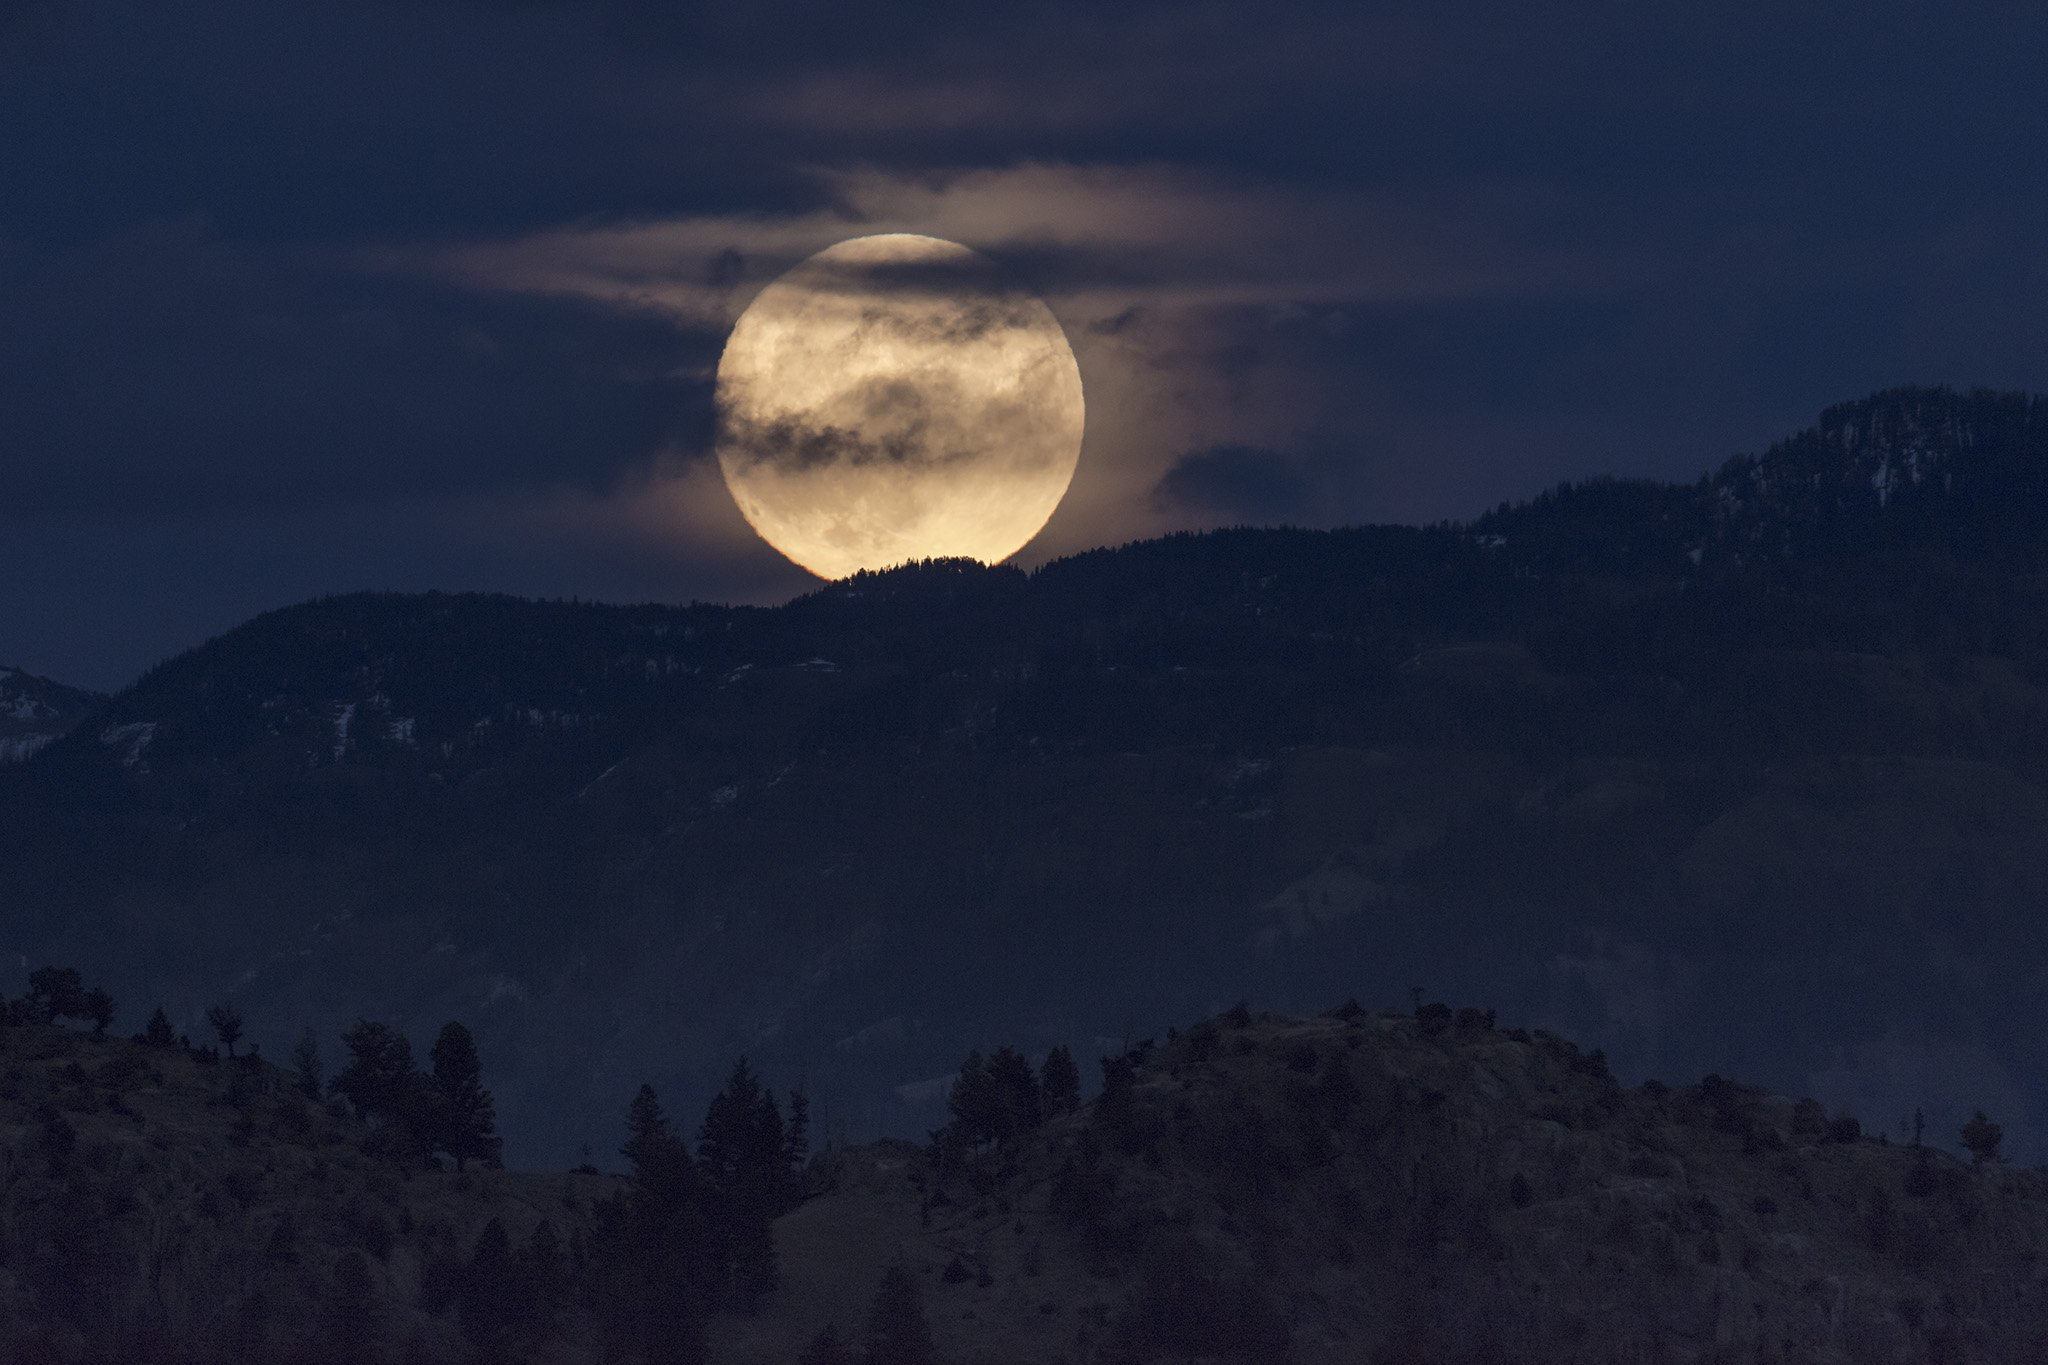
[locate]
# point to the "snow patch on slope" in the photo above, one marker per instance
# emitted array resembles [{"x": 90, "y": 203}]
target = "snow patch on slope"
[{"x": 131, "y": 740}]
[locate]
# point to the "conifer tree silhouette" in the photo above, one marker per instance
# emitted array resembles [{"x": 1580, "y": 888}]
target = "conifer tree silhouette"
[
  {"x": 796, "y": 1145},
  {"x": 975, "y": 1103},
  {"x": 490, "y": 1293},
  {"x": 898, "y": 1333},
  {"x": 307, "y": 1065},
  {"x": 647, "y": 1131},
  {"x": 1017, "y": 1104},
  {"x": 380, "y": 1061},
  {"x": 743, "y": 1150},
  {"x": 1060, "y": 1082},
  {"x": 465, "y": 1119},
  {"x": 157, "y": 1032}
]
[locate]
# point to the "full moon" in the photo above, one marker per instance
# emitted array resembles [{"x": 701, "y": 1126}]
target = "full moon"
[{"x": 895, "y": 398}]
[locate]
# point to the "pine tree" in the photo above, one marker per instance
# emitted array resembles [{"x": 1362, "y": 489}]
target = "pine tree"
[
  {"x": 543, "y": 1279},
  {"x": 226, "y": 1022},
  {"x": 742, "y": 1147},
  {"x": 380, "y": 1061},
  {"x": 647, "y": 1132},
  {"x": 1016, "y": 1094},
  {"x": 489, "y": 1294},
  {"x": 306, "y": 1063},
  {"x": 157, "y": 1032},
  {"x": 975, "y": 1103},
  {"x": 898, "y": 1333},
  {"x": 655, "y": 1261},
  {"x": 725, "y": 1141},
  {"x": 383, "y": 1084},
  {"x": 796, "y": 1145},
  {"x": 465, "y": 1119},
  {"x": 1113, "y": 1109},
  {"x": 1060, "y": 1082}
]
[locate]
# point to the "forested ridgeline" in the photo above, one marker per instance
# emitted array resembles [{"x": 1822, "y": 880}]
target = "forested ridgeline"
[
  {"x": 1359, "y": 1186},
  {"x": 169, "y": 1199}
]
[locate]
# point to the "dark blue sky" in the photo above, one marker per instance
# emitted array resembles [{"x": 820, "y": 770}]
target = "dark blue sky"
[{"x": 322, "y": 296}]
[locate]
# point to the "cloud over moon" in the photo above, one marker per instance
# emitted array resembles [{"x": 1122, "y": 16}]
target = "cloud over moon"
[
  {"x": 1099, "y": 238},
  {"x": 896, "y": 397},
  {"x": 1199, "y": 306}
]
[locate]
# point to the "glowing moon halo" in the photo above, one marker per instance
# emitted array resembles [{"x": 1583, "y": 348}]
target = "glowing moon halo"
[{"x": 893, "y": 398}]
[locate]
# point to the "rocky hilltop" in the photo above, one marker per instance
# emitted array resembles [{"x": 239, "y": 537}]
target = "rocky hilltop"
[
  {"x": 1742, "y": 775},
  {"x": 166, "y": 1204},
  {"x": 1354, "y": 1187},
  {"x": 1359, "y": 1187}
]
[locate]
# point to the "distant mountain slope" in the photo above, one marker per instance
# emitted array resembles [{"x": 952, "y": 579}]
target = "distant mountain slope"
[
  {"x": 1962, "y": 475},
  {"x": 1725, "y": 777},
  {"x": 35, "y": 711},
  {"x": 1356, "y": 1187}
]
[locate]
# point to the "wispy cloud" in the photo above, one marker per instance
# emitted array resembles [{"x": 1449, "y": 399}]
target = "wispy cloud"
[
  {"x": 1205, "y": 310},
  {"x": 1095, "y": 240}
]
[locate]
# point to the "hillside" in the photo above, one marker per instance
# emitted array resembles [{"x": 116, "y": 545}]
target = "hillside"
[
  {"x": 35, "y": 711},
  {"x": 1737, "y": 776},
  {"x": 159, "y": 1205},
  {"x": 1354, "y": 1187},
  {"x": 1358, "y": 1187}
]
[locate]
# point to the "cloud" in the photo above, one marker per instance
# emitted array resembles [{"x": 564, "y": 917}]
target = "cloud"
[
  {"x": 1436, "y": 255},
  {"x": 175, "y": 369},
  {"x": 1235, "y": 484},
  {"x": 1096, "y": 239},
  {"x": 1205, "y": 309}
]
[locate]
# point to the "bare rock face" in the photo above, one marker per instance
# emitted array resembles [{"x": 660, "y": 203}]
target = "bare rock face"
[{"x": 1365, "y": 1187}]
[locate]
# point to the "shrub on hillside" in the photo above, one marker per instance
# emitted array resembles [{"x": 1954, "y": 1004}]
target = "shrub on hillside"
[{"x": 1982, "y": 1137}]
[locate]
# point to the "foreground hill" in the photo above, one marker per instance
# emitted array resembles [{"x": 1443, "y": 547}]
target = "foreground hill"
[
  {"x": 1356, "y": 1188},
  {"x": 1738, "y": 776},
  {"x": 162, "y": 1206}
]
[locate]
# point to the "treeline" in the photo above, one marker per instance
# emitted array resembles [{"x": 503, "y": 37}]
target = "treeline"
[
  {"x": 688, "y": 1235},
  {"x": 692, "y": 1232}
]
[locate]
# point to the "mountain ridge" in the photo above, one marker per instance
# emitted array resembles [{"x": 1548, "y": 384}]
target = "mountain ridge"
[
  {"x": 1535, "y": 758},
  {"x": 36, "y": 712}
]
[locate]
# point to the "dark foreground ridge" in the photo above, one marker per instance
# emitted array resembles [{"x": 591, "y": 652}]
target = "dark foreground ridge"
[{"x": 1353, "y": 1187}]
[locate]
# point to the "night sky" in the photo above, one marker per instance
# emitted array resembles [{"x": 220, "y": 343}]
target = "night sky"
[{"x": 311, "y": 297}]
